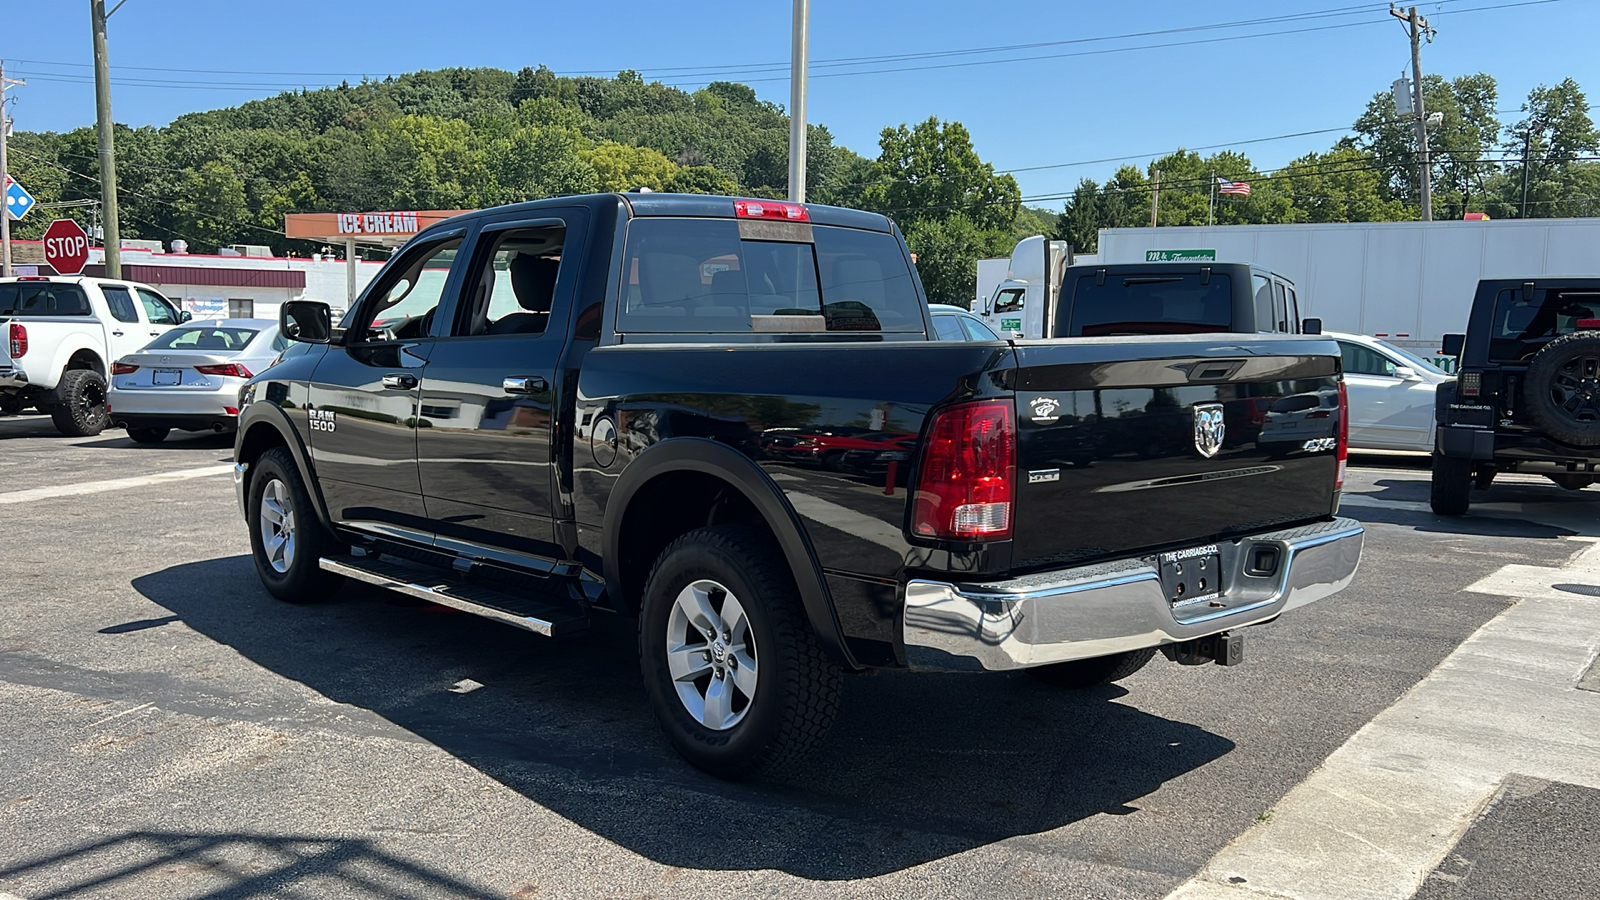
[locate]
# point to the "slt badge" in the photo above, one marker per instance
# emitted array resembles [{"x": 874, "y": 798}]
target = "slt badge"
[
  {"x": 1044, "y": 409},
  {"x": 1209, "y": 429}
]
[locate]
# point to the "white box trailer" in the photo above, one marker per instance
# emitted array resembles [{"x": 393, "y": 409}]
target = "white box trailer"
[{"x": 1407, "y": 282}]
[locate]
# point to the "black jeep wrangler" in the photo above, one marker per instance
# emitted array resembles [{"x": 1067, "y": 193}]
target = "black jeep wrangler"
[{"x": 1527, "y": 392}]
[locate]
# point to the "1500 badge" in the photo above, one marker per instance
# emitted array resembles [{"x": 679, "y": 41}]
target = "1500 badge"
[{"x": 323, "y": 420}]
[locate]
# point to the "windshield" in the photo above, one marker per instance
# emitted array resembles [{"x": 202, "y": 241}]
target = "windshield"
[
  {"x": 204, "y": 338},
  {"x": 1153, "y": 303}
]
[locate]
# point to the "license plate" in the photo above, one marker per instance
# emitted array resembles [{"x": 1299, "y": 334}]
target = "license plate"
[
  {"x": 1192, "y": 576},
  {"x": 163, "y": 377}
]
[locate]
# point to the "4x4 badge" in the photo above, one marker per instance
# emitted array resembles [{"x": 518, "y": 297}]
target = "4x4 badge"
[
  {"x": 1209, "y": 429},
  {"x": 1044, "y": 409}
]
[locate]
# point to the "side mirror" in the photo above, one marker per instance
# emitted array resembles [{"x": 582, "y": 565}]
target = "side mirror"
[
  {"x": 184, "y": 315},
  {"x": 1310, "y": 326},
  {"x": 1452, "y": 344},
  {"x": 307, "y": 321},
  {"x": 1406, "y": 373}
]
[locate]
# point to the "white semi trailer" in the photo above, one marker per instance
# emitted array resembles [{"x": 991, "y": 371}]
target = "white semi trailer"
[{"x": 1409, "y": 283}]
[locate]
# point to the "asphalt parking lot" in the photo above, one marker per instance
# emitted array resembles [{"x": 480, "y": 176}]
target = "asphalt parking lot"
[{"x": 172, "y": 731}]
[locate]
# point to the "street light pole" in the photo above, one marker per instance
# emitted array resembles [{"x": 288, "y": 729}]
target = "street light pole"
[
  {"x": 108, "y": 164},
  {"x": 797, "y": 100}
]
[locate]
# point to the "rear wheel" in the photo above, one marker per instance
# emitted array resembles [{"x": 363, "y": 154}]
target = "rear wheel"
[
  {"x": 1088, "y": 673},
  {"x": 1452, "y": 485},
  {"x": 80, "y": 404},
  {"x": 732, "y": 669},
  {"x": 148, "y": 435},
  {"x": 287, "y": 539}
]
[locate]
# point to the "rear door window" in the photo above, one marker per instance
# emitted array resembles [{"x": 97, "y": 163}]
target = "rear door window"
[
  {"x": 1151, "y": 303},
  {"x": 1280, "y": 306},
  {"x": 42, "y": 298},
  {"x": 701, "y": 276},
  {"x": 948, "y": 328},
  {"x": 121, "y": 303},
  {"x": 1523, "y": 325},
  {"x": 1262, "y": 286}
]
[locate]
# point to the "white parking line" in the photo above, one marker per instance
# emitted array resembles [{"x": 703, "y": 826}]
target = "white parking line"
[
  {"x": 112, "y": 484},
  {"x": 1386, "y": 807}
]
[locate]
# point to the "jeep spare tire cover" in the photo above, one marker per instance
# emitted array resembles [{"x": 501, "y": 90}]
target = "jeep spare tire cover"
[{"x": 1561, "y": 392}]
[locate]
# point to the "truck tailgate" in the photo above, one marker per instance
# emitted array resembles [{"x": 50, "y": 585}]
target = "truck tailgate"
[{"x": 1137, "y": 444}]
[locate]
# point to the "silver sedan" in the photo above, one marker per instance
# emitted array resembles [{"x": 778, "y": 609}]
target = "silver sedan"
[{"x": 189, "y": 377}]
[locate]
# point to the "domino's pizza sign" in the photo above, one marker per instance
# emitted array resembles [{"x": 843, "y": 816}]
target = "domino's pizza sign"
[{"x": 18, "y": 200}]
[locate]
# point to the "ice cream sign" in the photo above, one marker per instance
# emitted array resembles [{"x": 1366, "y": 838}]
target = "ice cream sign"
[{"x": 378, "y": 223}]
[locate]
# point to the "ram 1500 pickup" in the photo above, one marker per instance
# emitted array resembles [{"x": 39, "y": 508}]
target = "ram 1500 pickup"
[{"x": 540, "y": 412}]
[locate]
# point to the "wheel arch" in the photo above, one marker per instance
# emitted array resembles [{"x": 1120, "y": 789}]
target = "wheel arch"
[
  {"x": 75, "y": 352},
  {"x": 702, "y": 482},
  {"x": 263, "y": 426}
]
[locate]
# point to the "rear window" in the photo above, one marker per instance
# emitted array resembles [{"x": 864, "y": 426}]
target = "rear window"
[
  {"x": 203, "y": 338},
  {"x": 1522, "y": 326},
  {"x": 1153, "y": 303},
  {"x": 42, "y": 298},
  {"x": 699, "y": 275}
]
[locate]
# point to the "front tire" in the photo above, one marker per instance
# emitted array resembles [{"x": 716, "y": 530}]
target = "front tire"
[
  {"x": 1452, "y": 485},
  {"x": 1087, "y": 673},
  {"x": 148, "y": 435},
  {"x": 287, "y": 539},
  {"x": 79, "y": 409},
  {"x": 732, "y": 669}
]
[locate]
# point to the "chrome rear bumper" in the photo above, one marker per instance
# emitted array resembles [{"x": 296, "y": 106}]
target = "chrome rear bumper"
[{"x": 1104, "y": 609}]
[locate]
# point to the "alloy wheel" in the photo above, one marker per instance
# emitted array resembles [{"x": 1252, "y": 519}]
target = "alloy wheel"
[
  {"x": 277, "y": 526},
  {"x": 1575, "y": 390},
  {"x": 711, "y": 654}
]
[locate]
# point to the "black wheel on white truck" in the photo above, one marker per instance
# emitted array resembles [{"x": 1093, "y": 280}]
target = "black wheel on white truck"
[
  {"x": 80, "y": 403},
  {"x": 732, "y": 669}
]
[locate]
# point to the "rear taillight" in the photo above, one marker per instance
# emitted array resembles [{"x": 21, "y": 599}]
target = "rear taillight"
[
  {"x": 1470, "y": 383},
  {"x": 965, "y": 484},
  {"x": 231, "y": 370},
  {"x": 122, "y": 368},
  {"x": 1344, "y": 435},
  {"x": 19, "y": 340}
]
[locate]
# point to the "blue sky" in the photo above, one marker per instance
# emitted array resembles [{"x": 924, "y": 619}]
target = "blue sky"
[{"x": 1189, "y": 89}]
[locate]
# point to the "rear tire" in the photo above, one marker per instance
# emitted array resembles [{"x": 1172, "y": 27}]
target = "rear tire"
[
  {"x": 761, "y": 692},
  {"x": 287, "y": 540},
  {"x": 148, "y": 435},
  {"x": 1452, "y": 485},
  {"x": 1088, "y": 673},
  {"x": 80, "y": 405}
]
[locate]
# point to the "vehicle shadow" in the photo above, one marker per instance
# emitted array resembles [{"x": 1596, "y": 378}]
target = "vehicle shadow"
[
  {"x": 177, "y": 440},
  {"x": 917, "y": 767},
  {"x": 240, "y": 865},
  {"x": 1512, "y": 518}
]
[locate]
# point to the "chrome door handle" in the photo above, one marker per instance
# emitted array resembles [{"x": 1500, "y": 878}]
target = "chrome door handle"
[
  {"x": 401, "y": 382},
  {"x": 524, "y": 384},
  {"x": 117, "y": 333}
]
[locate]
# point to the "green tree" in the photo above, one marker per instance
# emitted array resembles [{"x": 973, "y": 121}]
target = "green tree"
[
  {"x": 952, "y": 206},
  {"x": 1343, "y": 185},
  {"x": 1554, "y": 135},
  {"x": 620, "y": 167},
  {"x": 1459, "y": 144},
  {"x": 211, "y": 205}
]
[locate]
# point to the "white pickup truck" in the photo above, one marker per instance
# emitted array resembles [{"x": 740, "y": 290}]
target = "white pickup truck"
[{"x": 61, "y": 334}]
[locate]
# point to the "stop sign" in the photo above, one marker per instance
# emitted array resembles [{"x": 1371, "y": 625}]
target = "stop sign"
[{"x": 66, "y": 247}]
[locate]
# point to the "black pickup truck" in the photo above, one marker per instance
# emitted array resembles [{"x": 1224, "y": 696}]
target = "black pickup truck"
[{"x": 539, "y": 412}]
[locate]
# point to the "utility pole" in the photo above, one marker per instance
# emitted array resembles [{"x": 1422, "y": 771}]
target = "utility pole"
[
  {"x": 1155, "y": 198},
  {"x": 112, "y": 239},
  {"x": 800, "y": 38},
  {"x": 1418, "y": 28},
  {"x": 5, "y": 132},
  {"x": 1527, "y": 140}
]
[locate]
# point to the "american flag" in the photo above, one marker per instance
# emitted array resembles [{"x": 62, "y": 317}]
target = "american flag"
[{"x": 1224, "y": 186}]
